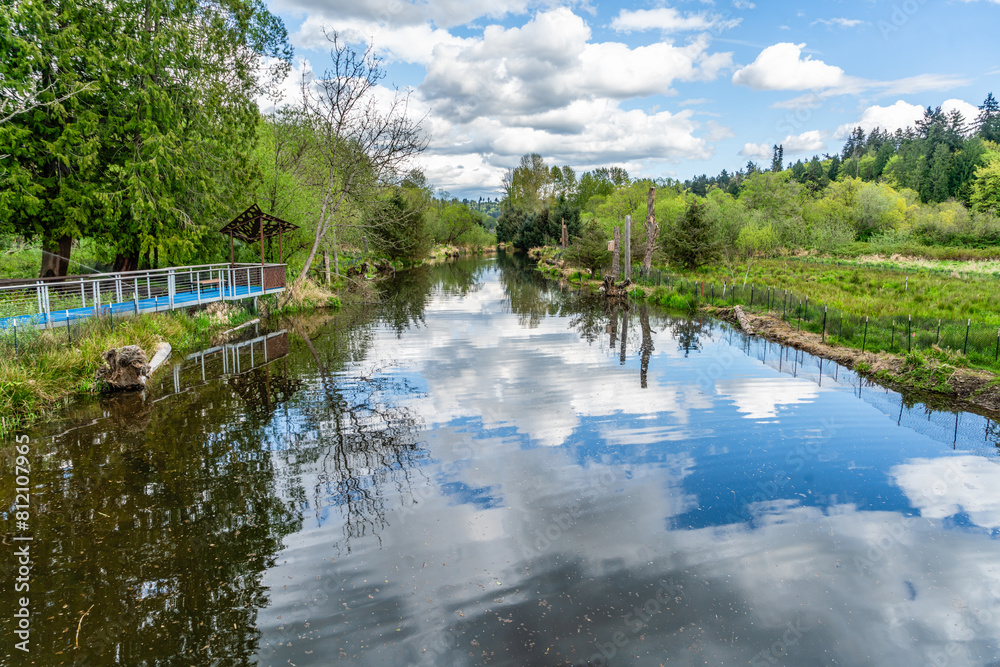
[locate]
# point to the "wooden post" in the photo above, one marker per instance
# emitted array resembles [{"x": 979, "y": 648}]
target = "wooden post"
[
  {"x": 651, "y": 231},
  {"x": 614, "y": 253},
  {"x": 232, "y": 261},
  {"x": 628, "y": 248}
]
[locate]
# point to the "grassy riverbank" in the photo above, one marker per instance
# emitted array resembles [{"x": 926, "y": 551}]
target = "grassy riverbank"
[
  {"x": 923, "y": 291},
  {"x": 44, "y": 370}
]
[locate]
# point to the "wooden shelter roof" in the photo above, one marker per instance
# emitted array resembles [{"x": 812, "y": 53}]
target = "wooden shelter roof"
[{"x": 247, "y": 225}]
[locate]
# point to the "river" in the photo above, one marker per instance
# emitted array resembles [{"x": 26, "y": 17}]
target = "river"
[{"x": 486, "y": 468}]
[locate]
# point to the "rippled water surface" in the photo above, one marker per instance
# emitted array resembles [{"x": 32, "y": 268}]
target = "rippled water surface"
[{"x": 488, "y": 469}]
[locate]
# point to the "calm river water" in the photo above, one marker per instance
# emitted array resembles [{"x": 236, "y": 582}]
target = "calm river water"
[{"x": 486, "y": 469}]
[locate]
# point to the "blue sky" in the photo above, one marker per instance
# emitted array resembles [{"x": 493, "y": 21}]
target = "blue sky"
[{"x": 663, "y": 89}]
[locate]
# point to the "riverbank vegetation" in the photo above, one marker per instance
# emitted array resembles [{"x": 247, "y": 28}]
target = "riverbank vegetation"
[
  {"x": 43, "y": 369},
  {"x": 128, "y": 142},
  {"x": 900, "y": 228}
]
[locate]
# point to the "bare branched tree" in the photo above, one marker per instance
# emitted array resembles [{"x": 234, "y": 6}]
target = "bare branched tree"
[{"x": 364, "y": 141}]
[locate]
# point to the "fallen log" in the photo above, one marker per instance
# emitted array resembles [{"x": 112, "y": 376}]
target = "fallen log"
[
  {"x": 743, "y": 320},
  {"x": 160, "y": 354}
]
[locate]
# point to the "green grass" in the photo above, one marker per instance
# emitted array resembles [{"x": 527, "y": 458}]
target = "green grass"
[
  {"x": 671, "y": 297},
  {"x": 47, "y": 369},
  {"x": 874, "y": 291}
]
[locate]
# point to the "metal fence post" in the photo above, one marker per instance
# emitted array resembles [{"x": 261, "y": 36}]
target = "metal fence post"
[
  {"x": 48, "y": 311},
  {"x": 909, "y": 323},
  {"x": 864, "y": 340},
  {"x": 965, "y": 347},
  {"x": 824, "y": 324},
  {"x": 171, "y": 286}
]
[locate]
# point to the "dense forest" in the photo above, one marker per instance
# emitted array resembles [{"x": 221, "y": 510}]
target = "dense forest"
[{"x": 935, "y": 184}]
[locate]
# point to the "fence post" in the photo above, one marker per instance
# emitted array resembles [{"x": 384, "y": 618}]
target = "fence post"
[
  {"x": 965, "y": 347},
  {"x": 171, "y": 285},
  {"x": 864, "y": 340},
  {"x": 48, "y": 311},
  {"x": 909, "y": 322},
  {"x": 997, "y": 352},
  {"x": 938, "y": 339},
  {"x": 892, "y": 338},
  {"x": 824, "y": 324},
  {"x": 751, "y": 293}
]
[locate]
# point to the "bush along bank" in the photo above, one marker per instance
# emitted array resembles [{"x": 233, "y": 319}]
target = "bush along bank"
[{"x": 953, "y": 358}]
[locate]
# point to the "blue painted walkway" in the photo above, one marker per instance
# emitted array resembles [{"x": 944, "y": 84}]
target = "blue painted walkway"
[{"x": 148, "y": 305}]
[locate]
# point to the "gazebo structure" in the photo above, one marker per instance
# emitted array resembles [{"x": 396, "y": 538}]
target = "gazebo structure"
[{"x": 253, "y": 225}]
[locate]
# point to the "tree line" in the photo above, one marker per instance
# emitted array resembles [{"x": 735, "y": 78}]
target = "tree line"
[
  {"x": 937, "y": 184},
  {"x": 135, "y": 126}
]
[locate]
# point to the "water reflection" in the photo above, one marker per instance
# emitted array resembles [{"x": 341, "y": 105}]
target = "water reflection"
[
  {"x": 492, "y": 469},
  {"x": 152, "y": 531}
]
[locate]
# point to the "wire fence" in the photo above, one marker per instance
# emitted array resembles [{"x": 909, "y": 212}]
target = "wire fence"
[{"x": 899, "y": 334}]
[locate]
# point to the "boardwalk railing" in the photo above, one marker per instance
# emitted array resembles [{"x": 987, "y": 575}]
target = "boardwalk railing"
[{"x": 54, "y": 302}]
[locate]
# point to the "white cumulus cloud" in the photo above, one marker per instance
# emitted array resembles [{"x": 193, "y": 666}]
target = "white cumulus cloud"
[
  {"x": 782, "y": 67},
  {"x": 900, "y": 115}
]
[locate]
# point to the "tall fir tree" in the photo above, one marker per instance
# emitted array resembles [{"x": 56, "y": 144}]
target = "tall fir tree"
[
  {"x": 988, "y": 122},
  {"x": 50, "y": 164}
]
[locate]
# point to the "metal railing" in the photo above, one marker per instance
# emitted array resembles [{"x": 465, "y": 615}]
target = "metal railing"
[{"x": 54, "y": 302}]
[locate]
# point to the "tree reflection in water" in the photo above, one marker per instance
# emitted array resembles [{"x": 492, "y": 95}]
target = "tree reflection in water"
[
  {"x": 154, "y": 527},
  {"x": 687, "y": 332},
  {"x": 358, "y": 440}
]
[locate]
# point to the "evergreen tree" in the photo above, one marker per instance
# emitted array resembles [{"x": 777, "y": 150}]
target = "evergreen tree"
[
  {"x": 777, "y": 159},
  {"x": 934, "y": 187},
  {"x": 691, "y": 241},
  {"x": 815, "y": 177},
  {"x": 988, "y": 122},
  {"x": 590, "y": 249},
  {"x": 834, "y": 170},
  {"x": 50, "y": 155}
]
